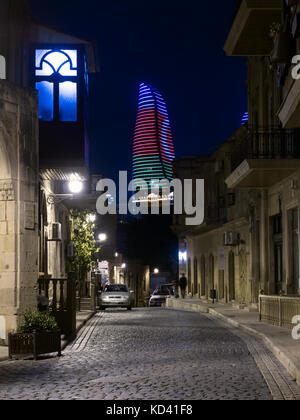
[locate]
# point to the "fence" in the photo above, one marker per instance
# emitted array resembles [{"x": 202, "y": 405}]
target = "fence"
[
  {"x": 62, "y": 296},
  {"x": 279, "y": 310}
]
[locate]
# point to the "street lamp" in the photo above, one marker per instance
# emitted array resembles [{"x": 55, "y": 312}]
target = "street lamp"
[
  {"x": 123, "y": 265},
  {"x": 91, "y": 218},
  {"x": 156, "y": 271},
  {"x": 102, "y": 237},
  {"x": 75, "y": 186}
]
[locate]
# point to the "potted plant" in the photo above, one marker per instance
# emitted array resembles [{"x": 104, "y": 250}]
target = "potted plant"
[{"x": 39, "y": 334}]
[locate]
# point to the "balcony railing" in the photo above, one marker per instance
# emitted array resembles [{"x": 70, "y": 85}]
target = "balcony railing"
[
  {"x": 62, "y": 298},
  {"x": 271, "y": 143}
]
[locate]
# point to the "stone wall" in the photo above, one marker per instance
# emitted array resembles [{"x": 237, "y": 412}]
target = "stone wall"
[{"x": 18, "y": 204}]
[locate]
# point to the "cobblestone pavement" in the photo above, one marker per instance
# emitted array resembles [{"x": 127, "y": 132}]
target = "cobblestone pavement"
[{"x": 152, "y": 354}]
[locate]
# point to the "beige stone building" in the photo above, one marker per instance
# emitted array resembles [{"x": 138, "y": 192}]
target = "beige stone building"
[
  {"x": 18, "y": 203},
  {"x": 248, "y": 247},
  {"x": 44, "y": 145}
]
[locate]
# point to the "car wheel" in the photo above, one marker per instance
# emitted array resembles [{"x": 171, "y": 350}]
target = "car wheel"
[
  {"x": 102, "y": 308},
  {"x": 129, "y": 308}
]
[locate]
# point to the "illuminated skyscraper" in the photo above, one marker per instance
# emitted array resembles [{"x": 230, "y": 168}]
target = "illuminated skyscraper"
[
  {"x": 153, "y": 148},
  {"x": 245, "y": 118}
]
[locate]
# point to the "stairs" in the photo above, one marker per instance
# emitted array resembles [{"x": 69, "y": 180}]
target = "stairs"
[{"x": 85, "y": 304}]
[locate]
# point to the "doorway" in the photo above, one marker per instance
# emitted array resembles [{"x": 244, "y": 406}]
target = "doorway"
[{"x": 231, "y": 276}]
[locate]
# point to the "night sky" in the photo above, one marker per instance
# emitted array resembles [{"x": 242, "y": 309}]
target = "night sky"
[{"x": 177, "y": 46}]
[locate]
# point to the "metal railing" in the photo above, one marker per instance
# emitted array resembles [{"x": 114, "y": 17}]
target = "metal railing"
[
  {"x": 62, "y": 301},
  {"x": 266, "y": 143},
  {"x": 278, "y": 310}
]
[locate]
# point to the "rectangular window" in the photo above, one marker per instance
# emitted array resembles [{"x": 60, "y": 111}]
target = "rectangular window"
[
  {"x": 68, "y": 101},
  {"x": 46, "y": 100}
]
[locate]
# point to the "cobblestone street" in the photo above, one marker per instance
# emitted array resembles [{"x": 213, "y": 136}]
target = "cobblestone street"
[{"x": 152, "y": 354}]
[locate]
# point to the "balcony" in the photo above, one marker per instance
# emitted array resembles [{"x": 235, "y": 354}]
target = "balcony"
[
  {"x": 249, "y": 34},
  {"x": 264, "y": 157}
]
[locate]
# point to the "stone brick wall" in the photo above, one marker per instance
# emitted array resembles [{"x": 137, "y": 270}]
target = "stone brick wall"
[{"x": 18, "y": 204}]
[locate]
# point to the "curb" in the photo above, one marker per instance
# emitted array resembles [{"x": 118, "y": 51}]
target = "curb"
[
  {"x": 65, "y": 343},
  {"x": 283, "y": 358}
]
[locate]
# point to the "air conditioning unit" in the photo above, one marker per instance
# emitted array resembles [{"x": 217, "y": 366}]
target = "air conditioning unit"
[
  {"x": 55, "y": 232},
  {"x": 231, "y": 239}
]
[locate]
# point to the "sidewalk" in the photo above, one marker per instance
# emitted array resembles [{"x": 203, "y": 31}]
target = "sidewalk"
[
  {"x": 81, "y": 319},
  {"x": 278, "y": 340}
]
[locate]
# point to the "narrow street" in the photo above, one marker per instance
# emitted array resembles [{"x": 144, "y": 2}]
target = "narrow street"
[{"x": 152, "y": 354}]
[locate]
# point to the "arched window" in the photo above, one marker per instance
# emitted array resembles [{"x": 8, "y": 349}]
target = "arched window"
[
  {"x": 2, "y": 68},
  {"x": 56, "y": 74}
]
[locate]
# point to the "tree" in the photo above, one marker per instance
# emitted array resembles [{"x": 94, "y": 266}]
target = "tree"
[{"x": 83, "y": 237}]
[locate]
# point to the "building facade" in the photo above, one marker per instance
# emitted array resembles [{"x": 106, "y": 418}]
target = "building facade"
[
  {"x": 248, "y": 246},
  {"x": 44, "y": 147}
]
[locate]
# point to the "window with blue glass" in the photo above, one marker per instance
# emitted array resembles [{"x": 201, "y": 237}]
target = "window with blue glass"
[{"x": 56, "y": 75}]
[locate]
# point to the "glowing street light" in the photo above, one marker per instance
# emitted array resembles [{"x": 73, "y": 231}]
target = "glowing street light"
[
  {"x": 75, "y": 186},
  {"x": 91, "y": 218},
  {"x": 123, "y": 265},
  {"x": 182, "y": 256},
  {"x": 156, "y": 271},
  {"x": 102, "y": 237}
]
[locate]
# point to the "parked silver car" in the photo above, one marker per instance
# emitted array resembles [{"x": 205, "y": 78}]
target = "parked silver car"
[
  {"x": 116, "y": 296},
  {"x": 159, "y": 297}
]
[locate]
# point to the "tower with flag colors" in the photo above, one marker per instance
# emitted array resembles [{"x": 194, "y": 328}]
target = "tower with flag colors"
[{"x": 153, "y": 147}]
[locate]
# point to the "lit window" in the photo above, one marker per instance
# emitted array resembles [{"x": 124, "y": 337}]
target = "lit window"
[
  {"x": 46, "y": 100},
  {"x": 56, "y": 74},
  {"x": 68, "y": 101}
]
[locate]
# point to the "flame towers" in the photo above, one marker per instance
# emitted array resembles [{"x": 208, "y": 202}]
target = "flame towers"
[{"x": 153, "y": 148}]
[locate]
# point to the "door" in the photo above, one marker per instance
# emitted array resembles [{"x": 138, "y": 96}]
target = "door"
[
  {"x": 243, "y": 276},
  {"x": 278, "y": 253},
  {"x": 294, "y": 271},
  {"x": 211, "y": 273},
  {"x": 203, "y": 277},
  {"x": 189, "y": 276},
  {"x": 195, "y": 276},
  {"x": 231, "y": 275}
]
